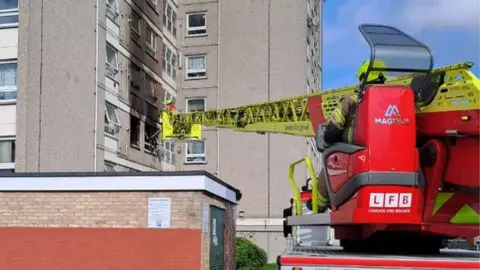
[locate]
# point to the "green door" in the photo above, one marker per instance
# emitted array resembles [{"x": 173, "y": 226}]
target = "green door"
[{"x": 217, "y": 225}]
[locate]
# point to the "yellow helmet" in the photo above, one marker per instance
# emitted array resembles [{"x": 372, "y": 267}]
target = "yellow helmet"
[
  {"x": 168, "y": 101},
  {"x": 373, "y": 74}
]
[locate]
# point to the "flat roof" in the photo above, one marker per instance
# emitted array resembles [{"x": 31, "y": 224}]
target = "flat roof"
[{"x": 119, "y": 181}]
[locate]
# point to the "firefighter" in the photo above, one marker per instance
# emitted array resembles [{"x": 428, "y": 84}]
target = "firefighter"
[
  {"x": 170, "y": 104},
  {"x": 339, "y": 126}
]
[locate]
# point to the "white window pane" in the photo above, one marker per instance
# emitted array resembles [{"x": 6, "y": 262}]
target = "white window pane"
[
  {"x": 8, "y": 4},
  {"x": 196, "y": 20},
  {"x": 111, "y": 56},
  {"x": 196, "y": 148},
  {"x": 196, "y": 62},
  {"x": 196, "y": 105},
  {"x": 7, "y": 151},
  {"x": 109, "y": 167},
  {"x": 111, "y": 113},
  {"x": 8, "y": 74}
]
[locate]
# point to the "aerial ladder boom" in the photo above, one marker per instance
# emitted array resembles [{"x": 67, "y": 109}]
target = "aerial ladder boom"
[{"x": 458, "y": 91}]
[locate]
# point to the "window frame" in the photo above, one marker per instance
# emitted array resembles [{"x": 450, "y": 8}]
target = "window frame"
[
  {"x": 153, "y": 2},
  {"x": 111, "y": 10},
  {"x": 167, "y": 149},
  {"x": 187, "y": 70},
  {"x": 134, "y": 33},
  {"x": 115, "y": 126},
  {"x": 146, "y": 143},
  {"x": 10, "y": 12},
  {"x": 188, "y": 28},
  {"x": 136, "y": 146},
  {"x": 172, "y": 19},
  {"x": 204, "y": 155},
  {"x": 9, "y": 165},
  {"x": 187, "y": 109},
  {"x": 111, "y": 70},
  {"x": 151, "y": 83},
  {"x": 10, "y": 88},
  {"x": 151, "y": 47},
  {"x": 169, "y": 61},
  {"x": 107, "y": 163}
]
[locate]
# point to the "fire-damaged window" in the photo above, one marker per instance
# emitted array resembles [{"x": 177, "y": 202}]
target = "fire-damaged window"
[
  {"x": 150, "y": 85},
  {"x": 152, "y": 111},
  {"x": 134, "y": 131},
  {"x": 135, "y": 26},
  {"x": 134, "y": 75},
  {"x": 151, "y": 137}
]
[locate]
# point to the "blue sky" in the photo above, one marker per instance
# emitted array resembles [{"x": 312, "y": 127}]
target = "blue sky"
[{"x": 450, "y": 30}]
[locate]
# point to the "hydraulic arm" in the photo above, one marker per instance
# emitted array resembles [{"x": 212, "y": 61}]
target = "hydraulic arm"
[{"x": 299, "y": 114}]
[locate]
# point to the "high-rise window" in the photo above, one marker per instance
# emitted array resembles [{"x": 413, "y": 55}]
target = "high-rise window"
[
  {"x": 111, "y": 10},
  {"x": 8, "y": 81},
  {"x": 135, "y": 26},
  {"x": 196, "y": 67},
  {"x": 8, "y": 13},
  {"x": 195, "y": 104},
  {"x": 111, "y": 63},
  {"x": 196, "y": 24},
  {"x": 112, "y": 124},
  {"x": 169, "y": 18},
  {"x": 7, "y": 154},
  {"x": 169, "y": 62},
  {"x": 195, "y": 152},
  {"x": 151, "y": 41}
]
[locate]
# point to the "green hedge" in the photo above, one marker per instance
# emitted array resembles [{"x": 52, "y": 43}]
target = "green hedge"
[{"x": 248, "y": 255}]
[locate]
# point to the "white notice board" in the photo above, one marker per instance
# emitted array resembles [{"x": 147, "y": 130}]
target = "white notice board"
[
  {"x": 205, "y": 216},
  {"x": 159, "y": 212}
]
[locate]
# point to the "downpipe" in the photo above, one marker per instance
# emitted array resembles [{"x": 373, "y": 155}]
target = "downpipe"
[
  {"x": 96, "y": 91},
  {"x": 218, "y": 85}
]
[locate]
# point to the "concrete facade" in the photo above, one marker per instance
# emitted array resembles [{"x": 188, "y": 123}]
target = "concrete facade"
[
  {"x": 253, "y": 51},
  {"x": 86, "y": 92}
]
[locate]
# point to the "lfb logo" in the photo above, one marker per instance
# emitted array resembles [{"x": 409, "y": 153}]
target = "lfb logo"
[
  {"x": 392, "y": 110},
  {"x": 391, "y": 200}
]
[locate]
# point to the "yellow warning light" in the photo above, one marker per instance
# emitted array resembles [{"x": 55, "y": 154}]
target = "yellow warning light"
[{"x": 465, "y": 118}]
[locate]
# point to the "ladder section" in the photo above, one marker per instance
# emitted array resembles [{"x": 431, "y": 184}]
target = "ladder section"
[{"x": 291, "y": 116}]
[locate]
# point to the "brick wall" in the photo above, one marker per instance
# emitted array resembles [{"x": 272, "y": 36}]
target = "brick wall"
[
  {"x": 113, "y": 210},
  {"x": 92, "y": 249}
]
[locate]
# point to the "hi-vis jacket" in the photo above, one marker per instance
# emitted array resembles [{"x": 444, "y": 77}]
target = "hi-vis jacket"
[{"x": 343, "y": 115}]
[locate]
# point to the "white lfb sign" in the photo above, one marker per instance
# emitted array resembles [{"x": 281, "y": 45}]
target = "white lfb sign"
[{"x": 390, "y": 200}]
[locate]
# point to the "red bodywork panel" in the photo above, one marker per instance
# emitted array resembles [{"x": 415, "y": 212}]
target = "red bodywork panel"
[
  {"x": 438, "y": 123},
  {"x": 315, "y": 110},
  {"x": 463, "y": 162},
  {"x": 337, "y": 168},
  {"x": 385, "y": 123}
]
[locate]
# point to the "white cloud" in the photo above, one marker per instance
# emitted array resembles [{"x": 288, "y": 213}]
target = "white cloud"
[
  {"x": 440, "y": 14},
  {"x": 419, "y": 18}
]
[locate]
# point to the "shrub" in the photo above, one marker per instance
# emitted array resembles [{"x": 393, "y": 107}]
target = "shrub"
[{"x": 248, "y": 255}]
